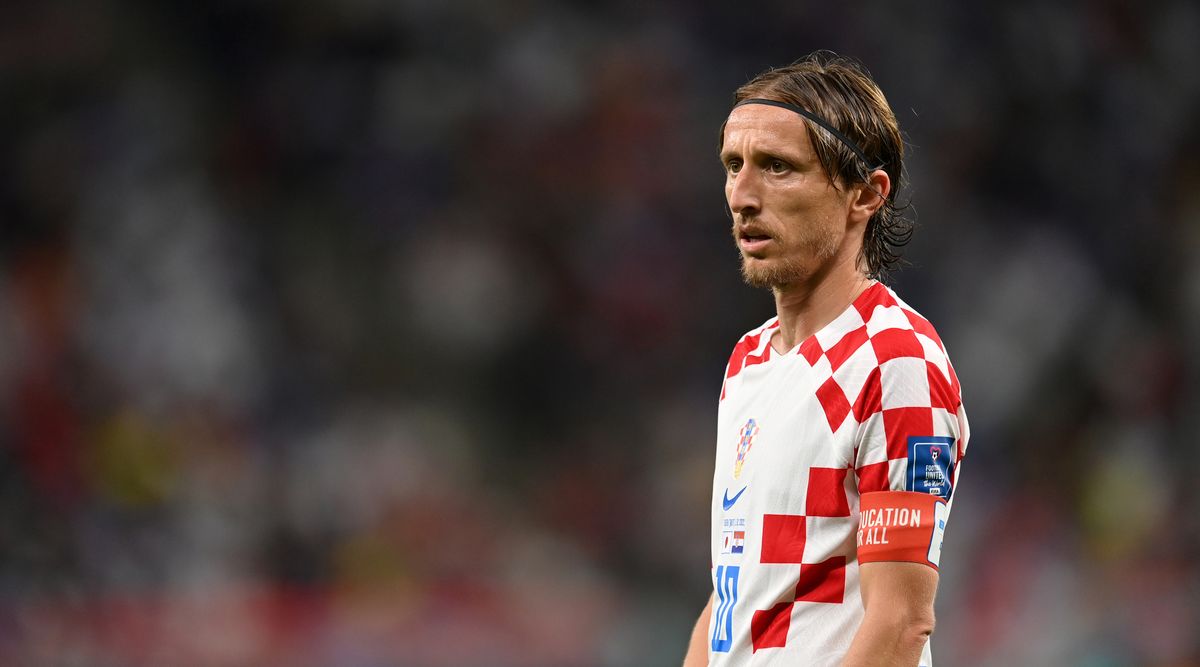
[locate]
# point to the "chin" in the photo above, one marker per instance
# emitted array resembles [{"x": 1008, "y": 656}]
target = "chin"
[{"x": 769, "y": 275}]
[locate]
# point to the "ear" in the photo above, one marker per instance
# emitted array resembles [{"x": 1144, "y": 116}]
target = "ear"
[{"x": 870, "y": 196}]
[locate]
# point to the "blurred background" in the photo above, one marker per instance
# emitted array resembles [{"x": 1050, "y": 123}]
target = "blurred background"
[{"x": 374, "y": 333}]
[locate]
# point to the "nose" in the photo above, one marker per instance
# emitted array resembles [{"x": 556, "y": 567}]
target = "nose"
[{"x": 742, "y": 193}]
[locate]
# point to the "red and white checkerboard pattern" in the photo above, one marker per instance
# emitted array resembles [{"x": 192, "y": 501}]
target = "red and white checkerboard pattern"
[
  {"x": 884, "y": 364},
  {"x": 785, "y": 539},
  {"x": 879, "y": 374}
]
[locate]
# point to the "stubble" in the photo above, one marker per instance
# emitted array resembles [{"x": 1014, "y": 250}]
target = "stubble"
[{"x": 791, "y": 260}]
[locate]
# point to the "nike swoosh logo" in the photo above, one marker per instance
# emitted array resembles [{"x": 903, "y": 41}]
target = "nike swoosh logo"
[{"x": 728, "y": 502}]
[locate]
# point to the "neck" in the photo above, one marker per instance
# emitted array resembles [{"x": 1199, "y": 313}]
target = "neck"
[{"x": 805, "y": 307}]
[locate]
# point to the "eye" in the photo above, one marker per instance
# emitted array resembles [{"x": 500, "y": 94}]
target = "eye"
[
  {"x": 778, "y": 166},
  {"x": 733, "y": 166}
]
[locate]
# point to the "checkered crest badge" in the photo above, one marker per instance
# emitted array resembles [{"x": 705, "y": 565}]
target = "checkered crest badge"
[{"x": 747, "y": 433}]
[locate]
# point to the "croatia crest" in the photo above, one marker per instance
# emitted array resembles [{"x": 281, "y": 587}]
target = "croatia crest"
[{"x": 747, "y": 434}]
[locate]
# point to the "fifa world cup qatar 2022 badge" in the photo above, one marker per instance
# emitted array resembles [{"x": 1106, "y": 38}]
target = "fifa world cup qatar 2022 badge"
[{"x": 747, "y": 433}]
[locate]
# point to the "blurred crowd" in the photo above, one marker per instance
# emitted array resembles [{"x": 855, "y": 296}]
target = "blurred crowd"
[{"x": 391, "y": 333}]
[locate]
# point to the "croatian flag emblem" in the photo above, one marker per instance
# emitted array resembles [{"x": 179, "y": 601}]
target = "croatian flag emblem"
[{"x": 733, "y": 542}]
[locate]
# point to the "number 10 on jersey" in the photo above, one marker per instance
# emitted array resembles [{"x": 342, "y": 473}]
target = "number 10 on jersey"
[{"x": 727, "y": 593}]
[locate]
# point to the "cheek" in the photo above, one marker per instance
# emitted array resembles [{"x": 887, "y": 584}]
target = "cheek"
[
  {"x": 806, "y": 219},
  {"x": 797, "y": 211}
]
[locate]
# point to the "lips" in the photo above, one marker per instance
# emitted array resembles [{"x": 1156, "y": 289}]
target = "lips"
[{"x": 752, "y": 239}]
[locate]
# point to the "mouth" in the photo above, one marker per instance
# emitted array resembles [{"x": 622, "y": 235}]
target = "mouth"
[{"x": 752, "y": 240}]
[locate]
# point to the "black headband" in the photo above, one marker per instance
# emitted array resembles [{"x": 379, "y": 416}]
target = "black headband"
[{"x": 819, "y": 121}]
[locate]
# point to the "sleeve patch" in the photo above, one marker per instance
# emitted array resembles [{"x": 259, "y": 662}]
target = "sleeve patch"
[
  {"x": 901, "y": 526},
  {"x": 930, "y": 466}
]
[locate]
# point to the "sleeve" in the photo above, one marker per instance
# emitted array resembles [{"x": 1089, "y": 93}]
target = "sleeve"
[{"x": 907, "y": 460}]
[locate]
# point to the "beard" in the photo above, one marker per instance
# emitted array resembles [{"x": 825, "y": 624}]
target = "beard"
[
  {"x": 769, "y": 274},
  {"x": 791, "y": 260}
]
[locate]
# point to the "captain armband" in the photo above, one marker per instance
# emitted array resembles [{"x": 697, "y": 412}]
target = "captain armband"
[{"x": 901, "y": 526}]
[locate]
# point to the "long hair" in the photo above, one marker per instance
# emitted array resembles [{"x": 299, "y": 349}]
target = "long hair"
[{"x": 841, "y": 91}]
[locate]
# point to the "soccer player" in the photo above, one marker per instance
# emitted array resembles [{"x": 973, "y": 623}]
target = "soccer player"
[{"x": 841, "y": 430}]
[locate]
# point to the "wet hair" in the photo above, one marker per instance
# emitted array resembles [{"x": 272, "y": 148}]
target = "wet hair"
[{"x": 842, "y": 93}]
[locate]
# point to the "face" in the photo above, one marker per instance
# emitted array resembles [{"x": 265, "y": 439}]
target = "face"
[{"x": 790, "y": 223}]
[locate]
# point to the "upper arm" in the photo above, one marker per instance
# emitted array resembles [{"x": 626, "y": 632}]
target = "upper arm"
[
  {"x": 898, "y": 618},
  {"x": 697, "y": 652},
  {"x": 904, "y": 590},
  {"x": 911, "y": 418},
  {"x": 908, "y": 452},
  {"x": 905, "y": 428}
]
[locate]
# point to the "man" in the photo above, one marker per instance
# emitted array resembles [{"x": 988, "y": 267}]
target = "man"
[{"x": 841, "y": 429}]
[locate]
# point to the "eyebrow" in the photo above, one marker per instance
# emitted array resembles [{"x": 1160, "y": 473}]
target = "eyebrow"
[{"x": 769, "y": 152}]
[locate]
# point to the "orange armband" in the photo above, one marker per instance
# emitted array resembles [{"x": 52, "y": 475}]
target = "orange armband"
[{"x": 901, "y": 526}]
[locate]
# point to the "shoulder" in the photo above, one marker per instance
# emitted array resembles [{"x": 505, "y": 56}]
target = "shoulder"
[
  {"x": 881, "y": 344},
  {"x": 754, "y": 347},
  {"x": 891, "y": 324},
  {"x": 754, "y": 339},
  {"x": 904, "y": 345}
]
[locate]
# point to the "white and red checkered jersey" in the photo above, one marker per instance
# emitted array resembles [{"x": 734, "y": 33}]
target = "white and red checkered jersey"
[{"x": 853, "y": 409}]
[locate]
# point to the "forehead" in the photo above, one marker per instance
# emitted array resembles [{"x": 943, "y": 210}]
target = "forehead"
[{"x": 767, "y": 127}]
